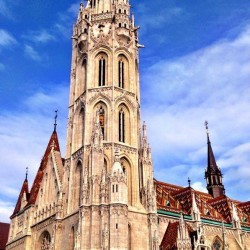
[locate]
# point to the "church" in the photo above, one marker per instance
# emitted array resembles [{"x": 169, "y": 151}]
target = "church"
[{"x": 102, "y": 194}]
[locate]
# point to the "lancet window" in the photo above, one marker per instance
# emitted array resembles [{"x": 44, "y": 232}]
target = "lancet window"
[
  {"x": 121, "y": 74},
  {"x": 121, "y": 125},
  {"x": 102, "y": 119},
  {"x": 102, "y": 72}
]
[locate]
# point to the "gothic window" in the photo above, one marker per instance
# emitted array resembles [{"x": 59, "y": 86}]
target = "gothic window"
[
  {"x": 217, "y": 244},
  {"x": 102, "y": 119},
  {"x": 121, "y": 73},
  {"x": 129, "y": 238},
  {"x": 121, "y": 125},
  {"x": 45, "y": 241},
  {"x": 77, "y": 185},
  {"x": 127, "y": 171},
  {"x": 72, "y": 239},
  {"x": 102, "y": 72},
  {"x": 93, "y": 3}
]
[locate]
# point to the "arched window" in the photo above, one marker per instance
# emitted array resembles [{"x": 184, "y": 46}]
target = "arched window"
[
  {"x": 72, "y": 239},
  {"x": 129, "y": 237},
  {"x": 217, "y": 244},
  {"x": 121, "y": 125},
  {"x": 102, "y": 72},
  {"x": 102, "y": 120},
  {"x": 78, "y": 185},
  {"x": 121, "y": 73},
  {"x": 126, "y": 167},
  {"x": 45, "y": 241},
  {"x": 100, "y": 112}
]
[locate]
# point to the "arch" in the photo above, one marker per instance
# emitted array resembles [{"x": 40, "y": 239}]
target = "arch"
[
  {"x": 129, "y": 237},
  {"x": 79, "y": 122},
  {"x": 81, "y": 79},
  {"x": 101, "y": 110},
  {"x": 77, "y": 187},
  {"x": 101, "y": 68},
  {"x": 124, "y": 126},
  {"x": 45, "y": 241},
  {"x": 217, "y": 243},
  {"x": 72, "y": 238},
  {"x": 126, "y": 167},
  {"x": 123, "y": 71}
]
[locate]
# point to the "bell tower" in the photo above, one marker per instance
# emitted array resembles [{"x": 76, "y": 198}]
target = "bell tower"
[{"x": 108, "y": 169}]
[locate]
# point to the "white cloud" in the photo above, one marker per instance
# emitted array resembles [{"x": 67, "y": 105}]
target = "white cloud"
[
  {"x": 4, "y": 10},
  {"x": 6, "y": 39},
  {"x": 6, "y": 209},
  {"x": 23, "y": 140},
  {"x": 179, "y": 95},
  {"x": 199, "y": 186},
  {"x": 65, "y": 19},
  {"x": 32, "y": 53},
  {"x": 40, "y": 36}
]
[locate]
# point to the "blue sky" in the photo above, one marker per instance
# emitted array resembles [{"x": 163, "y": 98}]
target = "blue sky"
[{"x": 195, "y": 67}]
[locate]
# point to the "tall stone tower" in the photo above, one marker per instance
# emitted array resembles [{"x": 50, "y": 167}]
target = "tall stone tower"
[
  {"x": 108, "y": 169},
  {"x": 102, "y": 195}
]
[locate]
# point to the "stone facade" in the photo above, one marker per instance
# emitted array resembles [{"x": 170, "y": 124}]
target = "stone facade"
[{"x": 103, "y": 195}]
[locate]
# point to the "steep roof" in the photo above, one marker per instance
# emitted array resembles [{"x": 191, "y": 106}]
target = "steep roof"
[
  {"x": 24, "y": 191},
  {"x": 53, "y": 143},
  {"x": 169, "y": 240},
  {"x": 31, "y": 197}
]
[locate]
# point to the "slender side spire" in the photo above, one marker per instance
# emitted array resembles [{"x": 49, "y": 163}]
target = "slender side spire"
[
  {"x": 213, "y": 174},
  {"x": 27, "y": 171},
  {"x": 55, "y": 124}
]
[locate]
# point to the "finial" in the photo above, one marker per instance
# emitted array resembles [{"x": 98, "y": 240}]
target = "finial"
[
  {"x": 189, "y": 182},
  {"x": 55, "y": 124},
  {"x": 27, "y": 171}
]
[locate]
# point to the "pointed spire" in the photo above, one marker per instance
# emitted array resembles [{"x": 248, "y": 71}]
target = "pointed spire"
[
  {"x": 55, "y": 124},
  {"x": 213, "y": 174},
  {"x": 189, "y": 182},
  {"x": 211, "y": 164},
  {"x": 27, "y": 171},
  {"x": 195, "y": 209}
]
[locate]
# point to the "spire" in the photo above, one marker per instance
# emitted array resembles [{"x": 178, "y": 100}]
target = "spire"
[
  {"x": 211, "y": 162},
  {"x": 195, "y": 209},
  {"x": 27, "y": 171},
  {"x": 55, "y": 124},
  {"x": 213, "y": 174}
]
